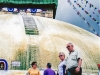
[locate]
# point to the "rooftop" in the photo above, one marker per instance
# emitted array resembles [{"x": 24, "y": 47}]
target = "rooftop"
[{"x": 32, "y": 2}]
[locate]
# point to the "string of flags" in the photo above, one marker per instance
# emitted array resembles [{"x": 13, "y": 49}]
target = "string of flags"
[
  {"x": 94, "y": 13},
  {"x": 90, "y": 6},
  {"x": 78, "y": 13},
  {"x": 91, "y": 10},
  {"x": 87, "y": 12}
]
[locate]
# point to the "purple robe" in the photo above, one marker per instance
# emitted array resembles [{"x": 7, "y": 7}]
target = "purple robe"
[{"x": 49, "y": 71}]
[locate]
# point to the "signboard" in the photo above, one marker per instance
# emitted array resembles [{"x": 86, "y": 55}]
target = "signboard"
[{"x": 15, "y": 63}]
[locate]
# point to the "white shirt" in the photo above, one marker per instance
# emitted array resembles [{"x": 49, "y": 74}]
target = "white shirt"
[
  {"x": 71, "y": 60},
  {"x": 60, "y": 67},
  {"x": 99, "y": 73}
]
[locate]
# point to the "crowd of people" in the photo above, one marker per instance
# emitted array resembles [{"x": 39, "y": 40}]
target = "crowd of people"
[{"x": 67, "y": 66}]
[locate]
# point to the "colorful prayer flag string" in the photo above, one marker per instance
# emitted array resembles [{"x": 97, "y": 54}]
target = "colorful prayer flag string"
[
  {"x": 90, "y": 4},
  {"x": 78, "y": 13},
  {"x": 87, "y": 13}
]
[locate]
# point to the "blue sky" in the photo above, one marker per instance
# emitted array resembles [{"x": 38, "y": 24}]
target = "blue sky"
[{"x": 66, "y": 13}]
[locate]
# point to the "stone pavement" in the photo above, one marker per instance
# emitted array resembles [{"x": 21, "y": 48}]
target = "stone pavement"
[{"x": 22, "y": 72}]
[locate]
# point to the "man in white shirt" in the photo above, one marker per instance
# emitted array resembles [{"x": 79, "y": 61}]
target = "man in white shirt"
[{"x": 73, "y": 61}]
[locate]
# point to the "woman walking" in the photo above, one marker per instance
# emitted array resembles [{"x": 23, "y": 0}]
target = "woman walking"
[
  {"x": 62, "y": 65},
  {"x": 33, "y": 70}
]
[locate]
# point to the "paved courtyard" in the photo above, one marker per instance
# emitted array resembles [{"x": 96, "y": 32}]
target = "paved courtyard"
[{"x": 23, "y": 72}]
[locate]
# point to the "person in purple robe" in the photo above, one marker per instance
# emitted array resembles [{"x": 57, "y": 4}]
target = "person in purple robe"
[{"x": 49, "y": 71}]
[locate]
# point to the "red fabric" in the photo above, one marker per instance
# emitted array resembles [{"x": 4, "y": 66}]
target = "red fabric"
[{"x": 98, "y": 65}]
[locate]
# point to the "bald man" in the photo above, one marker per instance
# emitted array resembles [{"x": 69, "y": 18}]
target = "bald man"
[{"x": 73, "y": 61}]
